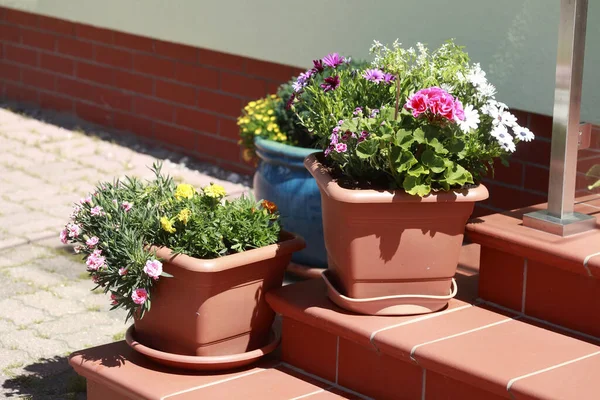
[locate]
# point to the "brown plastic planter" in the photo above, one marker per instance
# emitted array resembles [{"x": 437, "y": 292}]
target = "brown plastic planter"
[
  {"x": 215, "y": 307},
  {"x": 389, "y": 243}
]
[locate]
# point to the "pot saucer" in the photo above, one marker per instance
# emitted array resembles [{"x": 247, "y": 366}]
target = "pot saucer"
[
  {"x": 202, "y": 363},
  {"x": 410, "y": 304}
]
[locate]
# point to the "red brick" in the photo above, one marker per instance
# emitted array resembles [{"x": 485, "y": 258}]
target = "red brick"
[
  {"x": 196, "y": 120},
  {"x": 536, "y": 151},
  {"x": 115, "y": 57},
  {"x": 585, "y": 164},
  {"x": 228, "y": 128},
  {"x": 176, "y": 51},
  {"x": 134, "y": 42},
  {"x": 10, "y": 33},
  {"x": 57, "y": 25},
  {"x": 537, "y": 178},
  {"x": 20, "y": 55},
  {"x": 131, "y": 123},
  {"x": 54, "y": 102},
  {"x": 218, "y": 148},
  {"x": 310, "y": 349},
  {"x": 222, "y": 104},
  {"x": 154, "y": 109},
  {"x": 442, "y": 387},
  {"x": 95, "y": 73},
  {"x": 481, "y": 210},
  {"x": 38, "y": 79},
  {"x": 507, "y": 198},
  {"x": 236, "y": 167},
  {"x": 377, "y": 375},
  {"x": 183, "y": 138},
  {"x": 10, "y": 72},
  {"x": 113, "y": 98},
  {"x": 243, "y": 86},
  {"x": 76, "y": 48},
  {"x": 205, "y": 77},
  {"x": 95, "y": 114},
  {"x": 20, "y": 18},
  {"x": 221, "y": 60},
  {"x": 75, "y": 88},
  {"x": 40, "y": 40},
  {"x": 272, "y": 87},
  {"x": 95, "y": 34},
  {"x": 563, "y": 298},
  {"x": 269, "y": 70},
  {"x": 501, "y": 278},
  {"x": 512, "y": 175},
  {"x": 21, "y": 93},
  {"x": 541, "y": 125},
  {"x": 133, "y": 82},
  {"x": 57, "y": 64},
  {"x": 177, "y": 93},
  {"x": 522, "y": 117},
  {"x": 154, "y": 66}
]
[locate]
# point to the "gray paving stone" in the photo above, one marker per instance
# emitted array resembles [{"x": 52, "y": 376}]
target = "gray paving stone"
[
  {"x": 20, "y": 314},
  {"x": 36, "y": 346},
  {"x": 11, "y": 360},
  {"x": 25, "y": 253},
  {"x": 35, "y": 275},
  {"x": 52, "y": 304}
]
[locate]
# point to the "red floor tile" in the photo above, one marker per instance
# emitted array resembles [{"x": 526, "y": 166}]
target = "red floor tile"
[
  {"x": 501, "y": 278},
  {"x": 440, "y": 387}
]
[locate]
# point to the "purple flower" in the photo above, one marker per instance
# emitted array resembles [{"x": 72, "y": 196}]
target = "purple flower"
[
  {"x": 341, "y": 147},
  {"x": 373, "y": 75},
  {"x": 333, "y": 139},
  {"x": 347, "y": 135},
  {"x": 333, "y": 60},
  {"x": 328, "y": 150},
  {"x": 341, "y": 121},
  {"x": 388, "y": 78},
  {"x": 290, "y": 101},
  {"x": 331, "y": 83},
  {"x": 335, "y": 130},
  {"x": 363, "y": 136},
  {"x": 357, "y": 110},
  {"x": 374, "y": 113},
  {"x": 318, "y": 66}
]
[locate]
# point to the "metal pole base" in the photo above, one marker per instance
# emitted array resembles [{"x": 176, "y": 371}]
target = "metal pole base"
[{"x": 572, "y": 224}]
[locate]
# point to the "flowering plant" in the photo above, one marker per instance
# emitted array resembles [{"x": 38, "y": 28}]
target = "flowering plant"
[
  {"x": 414, "y": 120},
  {"x": 116, "y": 226}
]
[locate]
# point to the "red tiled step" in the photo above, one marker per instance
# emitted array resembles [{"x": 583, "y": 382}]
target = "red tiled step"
[
  {"x": 467, "y": 351},
  {"x": 538, "y": 274},
  {"x": 116, "y": 372}
]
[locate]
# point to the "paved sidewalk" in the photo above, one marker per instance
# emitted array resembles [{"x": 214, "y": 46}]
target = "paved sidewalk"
[{"x": 46, "y": 307}]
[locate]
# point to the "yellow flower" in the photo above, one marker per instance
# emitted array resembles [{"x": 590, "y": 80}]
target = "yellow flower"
[
  {"x": 273, "y": 96},
  {"x": 215, "y": 191},
  {"x": 252, "y": 104},
  {"x": 247, "y": 155},
  {"x": 167, "y": 225},
  {"x": 184, "y": 191},
  {"x": 184, "y": 216},
  {"x": 273, "y": 118},
  {"x": 270, "y": 112},
  {"x": 250, "y": 112},
  {"x": 258, "y": 131}
]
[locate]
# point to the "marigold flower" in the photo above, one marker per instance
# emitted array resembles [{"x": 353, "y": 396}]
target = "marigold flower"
[
  {"x": 184, "y": 191},
  {"x": 184, "y": 216},
  {"x": 167, "y": 225},
  {"x": 269, "y": 206},
  {"x": 215, "y": 191}
]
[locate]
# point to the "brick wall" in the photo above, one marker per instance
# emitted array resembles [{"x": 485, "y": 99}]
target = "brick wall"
[{"x": 188, "y": 98}]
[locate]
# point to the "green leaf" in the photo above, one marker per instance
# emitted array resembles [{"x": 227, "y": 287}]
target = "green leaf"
[
  {"x": 402, "y": 160},
  {"x": 418, "y": 170},
  {"x": 457, "y": 176},
  {"x": 349, "y": 125},
  {"x": 166, "y": 274},
  {"x": 415, "y": 186},
  {"x": 433, "y": 161},
  {"x": 367, "y": 149},
  {"x": 404, "y": 139},
  {"x": 419, "y": 136},
  {"x": 437, "y": 146},
  {"x": 456, "y": 146}
]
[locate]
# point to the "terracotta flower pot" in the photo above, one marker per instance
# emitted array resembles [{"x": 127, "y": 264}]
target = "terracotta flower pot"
[
  {"x": 389, "y": 243},
  {"x": 215, "y": 307}
]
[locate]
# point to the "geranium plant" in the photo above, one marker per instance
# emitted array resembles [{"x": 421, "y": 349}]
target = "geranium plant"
[
  {"x": 412, "y": 120},
  {"x": 119, "y": 226}
]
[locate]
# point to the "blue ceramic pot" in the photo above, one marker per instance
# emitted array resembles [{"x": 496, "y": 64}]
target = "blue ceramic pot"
[{"x": 282, "y": 179}]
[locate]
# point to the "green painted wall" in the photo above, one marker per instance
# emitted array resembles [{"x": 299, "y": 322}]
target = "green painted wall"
[{"x": 515, "y": 40}]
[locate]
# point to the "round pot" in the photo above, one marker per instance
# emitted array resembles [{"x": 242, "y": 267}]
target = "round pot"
[
  {"x": 282, "y": 179},
  {"x": 215, "y": 307},
  {"x": 389, "y": 243}
]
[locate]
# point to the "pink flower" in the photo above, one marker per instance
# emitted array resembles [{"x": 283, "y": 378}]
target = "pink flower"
[
  {"x": 153, "y": 268},
  {"x": 95, "y": 279},
  {"x": 96, "y": 211},
  {"x": 126, "y": 206},
  {"x": 95, "y": 261},
  {"x": 347, "y": 135},
  {"x": 87, "y": 199},
  {"x": 341, "y": 147},
  {"x": 139, "y": 296},
  {"x": 91, "y": 242},
  {"x": 418, "y": 103},
  {"x": 75, "y": 211},
  {"x": 114, "y": 299},
  {"x": 122, "y": 271},
  {"x": 63, "y": 236},
  {"x": 78, "y": 249},
  {"x": 438, "y": 102},
  {"x": 74, "y": 230},
  {"x": 115, "y": 202},
  {"x": 459, "y": 112},
  {"x": 363, "y": 136}
]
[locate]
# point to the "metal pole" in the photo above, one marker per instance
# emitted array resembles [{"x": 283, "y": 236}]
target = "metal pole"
[{"x": 559, "y": 218}]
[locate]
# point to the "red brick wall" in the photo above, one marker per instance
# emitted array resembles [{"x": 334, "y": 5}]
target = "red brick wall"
[
  {"x": 185, "y": 97},
  {"x": 188, "y": 98}
]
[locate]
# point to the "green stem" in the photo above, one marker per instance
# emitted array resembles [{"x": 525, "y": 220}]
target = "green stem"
[{"x": 397, "y": 96}]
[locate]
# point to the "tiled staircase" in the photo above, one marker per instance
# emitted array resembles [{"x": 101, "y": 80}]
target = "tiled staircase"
[{"x": 531, "y": 332}]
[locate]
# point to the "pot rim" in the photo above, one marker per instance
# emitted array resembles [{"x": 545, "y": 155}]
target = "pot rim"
[
  {"x": 331, "y": 188},
  {"x": 288, "y": 243}
]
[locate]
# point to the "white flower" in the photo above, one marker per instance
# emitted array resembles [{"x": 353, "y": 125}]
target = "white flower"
[
  {"x": 476, "y": 76},
  {"x": 523, "y": 134},
  {"x": 471, "y": 121},
  {"x": 487, "y": 91},
  {"x": 501, "y": 117},
  {"x": 447, "y": 87},
  {"x": 501, "y": 134},
  {"x": 508, "y": 146}
]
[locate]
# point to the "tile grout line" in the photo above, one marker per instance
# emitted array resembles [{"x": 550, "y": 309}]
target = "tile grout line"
[
  {"x": 587, "y": 260},
  {"x": 524, "y": 292},
  {"x": 218, "y": 382},
  {"x": 414, "y": 349},
  {"x": 518, "y": 378},
  {"x": 320, "y": 379},
  {"x": 412, "y": 321},
  {"x": 308, "y": 394},
  {"x": 337, "y": 358},
  {"x": 424, "y": 384}
]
